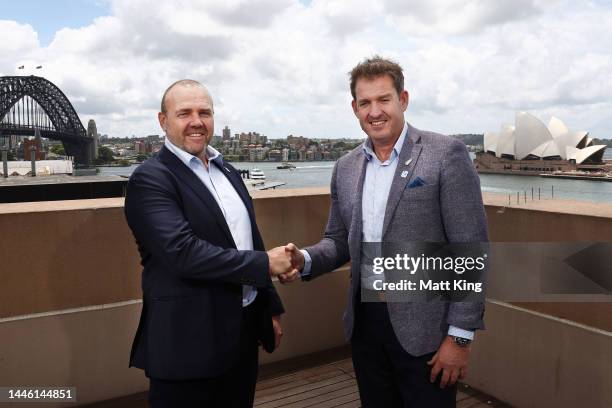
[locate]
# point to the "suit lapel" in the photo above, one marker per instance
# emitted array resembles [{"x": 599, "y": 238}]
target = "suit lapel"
[
  {"x": 356, "y": 222},
  {"x": 411, "y": 151},
  {"x": 185, "y": 175}
]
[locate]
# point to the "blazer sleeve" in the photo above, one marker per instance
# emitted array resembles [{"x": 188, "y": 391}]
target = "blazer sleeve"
[
  {"x": 333, "y": 250},
  {"x": 464, "y": 221},
  {"x": 155, "y": 216}
]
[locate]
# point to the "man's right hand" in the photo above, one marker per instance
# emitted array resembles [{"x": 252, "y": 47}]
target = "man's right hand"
[
  {"x": 280, "y": 261},
  {"x": 297, "y": 263}
]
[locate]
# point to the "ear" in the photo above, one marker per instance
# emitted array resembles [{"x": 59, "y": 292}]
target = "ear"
[
  {"x": 162, "y": 120},
  {"x": 354, "y": 105},
  {"x": 404, "y": 98}
]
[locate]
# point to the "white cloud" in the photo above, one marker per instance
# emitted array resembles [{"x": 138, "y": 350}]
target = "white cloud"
[
  {"x": 455, "y": 16},
  {"x": 280, "y": 67}
]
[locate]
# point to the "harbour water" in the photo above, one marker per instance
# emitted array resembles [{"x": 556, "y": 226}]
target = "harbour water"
[{"x": 318, "y": 174}]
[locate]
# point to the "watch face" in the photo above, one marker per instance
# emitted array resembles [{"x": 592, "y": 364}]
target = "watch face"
[{"x": 460, "y": 341}]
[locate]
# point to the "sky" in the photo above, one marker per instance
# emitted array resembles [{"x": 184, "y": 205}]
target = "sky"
[{"x": 280, "y": 67}]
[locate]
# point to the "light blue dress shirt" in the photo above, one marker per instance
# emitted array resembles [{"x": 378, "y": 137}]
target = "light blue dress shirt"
[
  {"x": 376, "y": 186},
  {"x": 232, "y": 206}
]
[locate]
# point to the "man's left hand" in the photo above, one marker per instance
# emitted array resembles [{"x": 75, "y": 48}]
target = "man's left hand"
[
  {"x": 278, "y": 330},
  {"x": 452, "y": 360}
]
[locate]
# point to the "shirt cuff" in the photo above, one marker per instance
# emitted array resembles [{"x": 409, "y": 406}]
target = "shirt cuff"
[
  {"x": 457, "y": 332},
  {"x": 307, "y": 264}
]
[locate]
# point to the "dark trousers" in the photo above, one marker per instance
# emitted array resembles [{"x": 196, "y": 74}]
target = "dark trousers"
[
  {"x": 233, "y": 389},
  {"x": 387, "y": 375}
]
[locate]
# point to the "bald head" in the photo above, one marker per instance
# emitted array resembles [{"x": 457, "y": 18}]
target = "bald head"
[{"x": 188, "y": 83}]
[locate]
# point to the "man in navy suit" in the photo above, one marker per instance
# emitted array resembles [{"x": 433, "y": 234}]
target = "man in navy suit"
[{"x": 208, "y": 298}]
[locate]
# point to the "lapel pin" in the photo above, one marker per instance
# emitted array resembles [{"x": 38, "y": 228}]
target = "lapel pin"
[
  {"x": 408, "y": 162},
  {"x": 226, "y": 169},
  {"x": 404, "y": 173}
]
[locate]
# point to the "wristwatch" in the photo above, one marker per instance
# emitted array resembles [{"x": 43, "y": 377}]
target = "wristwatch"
[{"x": 461, "y": 341}]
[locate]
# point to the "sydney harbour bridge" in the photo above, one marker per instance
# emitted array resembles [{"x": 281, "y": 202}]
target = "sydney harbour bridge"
[{"x": 32, "y": 104}]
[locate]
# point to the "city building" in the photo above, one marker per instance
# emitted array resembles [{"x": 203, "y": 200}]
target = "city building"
[{"x": 35, "y": 144}]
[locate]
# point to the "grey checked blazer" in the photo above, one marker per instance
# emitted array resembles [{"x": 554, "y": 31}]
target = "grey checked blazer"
[{"x": 447, "y": 209}]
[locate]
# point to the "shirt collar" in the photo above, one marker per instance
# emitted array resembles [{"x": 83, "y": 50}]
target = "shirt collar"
[
  {"x": 187, "y": 158},
  {"x": 397, "y": 148}
]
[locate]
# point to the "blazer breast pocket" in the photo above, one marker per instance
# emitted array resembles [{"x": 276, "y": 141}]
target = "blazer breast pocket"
[{"x": 422, "y": 193}]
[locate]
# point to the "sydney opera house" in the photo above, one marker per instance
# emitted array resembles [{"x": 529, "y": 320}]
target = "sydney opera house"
[{"x": 531, "y": 147}]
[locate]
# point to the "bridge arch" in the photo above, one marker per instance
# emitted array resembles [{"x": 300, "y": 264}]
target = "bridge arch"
[{"x": 67, "y": 126}]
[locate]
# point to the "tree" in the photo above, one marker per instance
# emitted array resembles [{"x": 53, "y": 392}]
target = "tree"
[
  {"x": 142, "y": 157},
  {"x": 105, "y": 155},
  {"x": 58, "y": 149}
]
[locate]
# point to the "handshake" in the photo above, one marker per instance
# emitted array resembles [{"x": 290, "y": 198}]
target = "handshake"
[{"x": 286, "y": 262}]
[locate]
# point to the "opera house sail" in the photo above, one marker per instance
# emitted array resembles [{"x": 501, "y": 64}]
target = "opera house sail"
[{"x": 530, "y": 147}]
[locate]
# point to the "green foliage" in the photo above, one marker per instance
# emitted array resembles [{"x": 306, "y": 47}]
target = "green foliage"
[
  {"x": 142, "y": 157},
  {"x": 58, "y": 149},
  {"x": 105, "y": 155}
]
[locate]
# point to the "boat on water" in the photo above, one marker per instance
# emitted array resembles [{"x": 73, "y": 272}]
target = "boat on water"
[
  {"x": 257, "y": 174},
  {"x": 579, "y": 175},
  {"x": 285, "y": 165}
]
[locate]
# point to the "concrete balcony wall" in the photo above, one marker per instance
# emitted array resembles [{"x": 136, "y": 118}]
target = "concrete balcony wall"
[{"x": 70, "y": 293}]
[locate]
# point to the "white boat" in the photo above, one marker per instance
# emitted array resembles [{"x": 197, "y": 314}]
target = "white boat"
[{"x": 257, "y": 174}]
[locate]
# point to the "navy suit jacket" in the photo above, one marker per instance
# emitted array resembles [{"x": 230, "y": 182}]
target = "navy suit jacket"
[{"x": 192, "y": 273}]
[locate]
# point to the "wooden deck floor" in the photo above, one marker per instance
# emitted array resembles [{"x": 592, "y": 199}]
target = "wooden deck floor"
[
  {"x": 334, "y": 385},
  {"x": 323, "y": 380}
]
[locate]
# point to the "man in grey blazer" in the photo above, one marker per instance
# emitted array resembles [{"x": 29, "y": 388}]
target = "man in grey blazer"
[{"x": 402, "y": 185}]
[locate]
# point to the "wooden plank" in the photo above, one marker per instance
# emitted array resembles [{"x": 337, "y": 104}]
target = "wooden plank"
[
  {"x": 345, "y": 365},
  {"x": 352, "y": 404},
  {"x": 335, "y": 402},
  {"x": 303, "y": 393},
  {"x": 323, "y": 399},
  {"x": 299, "y": 378},
  {"x": 293, "y": 387}
]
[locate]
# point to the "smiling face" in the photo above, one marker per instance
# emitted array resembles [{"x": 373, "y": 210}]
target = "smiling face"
[
  {"x": 380, "y": 109},
  {"x": 188, "y": 121}
]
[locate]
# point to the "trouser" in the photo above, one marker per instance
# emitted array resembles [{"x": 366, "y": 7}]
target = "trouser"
[
  {"x": 387, "y": 375},
  {"x": 233, "y": 389}
]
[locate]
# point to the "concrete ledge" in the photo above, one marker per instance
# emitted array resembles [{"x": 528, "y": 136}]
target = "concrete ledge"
[
  {"x": 89, "y": 349},
  {"x": 529, "y": 359}
]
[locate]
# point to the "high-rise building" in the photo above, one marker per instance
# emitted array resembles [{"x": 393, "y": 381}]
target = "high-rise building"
[{"x": 227, "y": 133}]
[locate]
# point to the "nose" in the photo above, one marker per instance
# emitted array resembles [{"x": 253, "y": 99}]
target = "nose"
[
  {"x": 375, "y": 110},
  {"x": 196, "y": 121}
]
